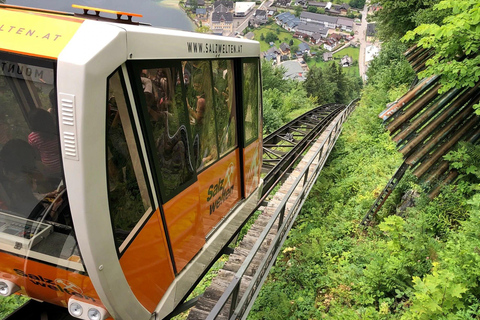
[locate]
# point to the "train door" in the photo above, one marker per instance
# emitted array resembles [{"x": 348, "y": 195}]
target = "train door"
[
  {"x": 252, "y": 126},
  {"x": 140, "y": 238}
]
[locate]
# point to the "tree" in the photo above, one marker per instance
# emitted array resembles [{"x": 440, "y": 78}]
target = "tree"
[
  {"x": 271, "y": 37},
  {"x": 290, "y": 43},
  {"x": 203, "y": 29},
  {"x": 359, "y": 4},
  {"x": 455, "y": 43},
  {"x": 320, "y": 10},
  {"x": 312, "y": 9},
  {"x": 397, "y": 17},
  {"x": 298, "y": 10},
  {"x": 262, "y": 37}
]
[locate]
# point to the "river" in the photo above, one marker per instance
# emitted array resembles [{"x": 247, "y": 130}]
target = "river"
[{"x": 159, "y": 13}]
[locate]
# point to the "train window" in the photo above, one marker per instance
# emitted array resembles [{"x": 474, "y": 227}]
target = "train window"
[
  {"x": 169, "y": 119},
  {"x": 128, "y": 195},
  {"x": 34, "y": 209},
  {"x": 224, "y": 97},
  {"x": 197, "y": 75},
  {"x": 251, "y": 101}
]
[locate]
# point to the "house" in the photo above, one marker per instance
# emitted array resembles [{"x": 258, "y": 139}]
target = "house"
[
  {"x": 201, "y": 13},
  {"x": 194, "y": 3},
  {"x": 260, "y": 14},
  {"x": 294, "y": 70},
  {"x": 283, "y": 3},
  {"x": 302, "y": 3},
  {"x": 222, "y": 22},
  {"x": 317, "y": 4},
  {"x": 308, "y": 28},
  {"x": 330, "y": 44},
  {"x": 316, "y": 38},
  {"x": 322, "y": 19},
  {"x": 284, "y": 48},
  {"x": 227, "y": 4},
  {"x": 338, "y": 9},
  {"x": 346, "y": 61},
  {"x": 221, "y": 9},
  {"x": 291, "y": 24},
  {"x": 271, "y": 12},
  {"x": 327, "y": 56},
  {"x": 345, "y": 24},
  {"x": 243, "y": 8},
  {"x": 303, "y": 48},
  {"x": 283, "y": 17},
  {"x": 335, "y": 36},
  {"x": 371, "y": 32},
  {"x": 343, "y": 8},
  {"x": 272, "y": 54},
  {"x": 250, "y": 35}
]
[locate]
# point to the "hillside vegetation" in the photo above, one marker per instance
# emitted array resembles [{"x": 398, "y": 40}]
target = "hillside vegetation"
[{"x": 419, "y": 263}]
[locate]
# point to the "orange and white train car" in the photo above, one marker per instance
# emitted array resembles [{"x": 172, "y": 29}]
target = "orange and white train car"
[{"x": 129, "y": 157}]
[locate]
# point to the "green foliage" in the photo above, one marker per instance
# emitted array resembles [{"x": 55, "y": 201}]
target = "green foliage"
[
  {"x": 281, "y": 98},
  {"x": 451, "y": 289},
  {"x": 466, "y": 159},
  {"x": 390, "y": 69},
  {"x": 330, "y": 84},
  {"x": 271, "y": 37},
  {"x": 397, "y": 17},
  {"x": 298, "y": 10},
  {"x": 10, "y": 304},
  {"x": 456, "y": 44},
  {"x": 312, "y": 9},
  {"x": 359, "y": 4}
]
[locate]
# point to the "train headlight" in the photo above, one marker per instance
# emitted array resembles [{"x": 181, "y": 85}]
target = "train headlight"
[
  {"x": 94, "y": 312},
  {"x": 75, "y": 309},
  {"x": 7, "y": 287}
]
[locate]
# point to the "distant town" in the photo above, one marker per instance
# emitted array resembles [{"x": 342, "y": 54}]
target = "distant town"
[{"x": 296, "y": 34}]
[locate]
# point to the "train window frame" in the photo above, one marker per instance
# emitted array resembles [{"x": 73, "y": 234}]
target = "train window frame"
[
  {"x": 247, "y": 141},
  {"x": 138, "y": 164}
]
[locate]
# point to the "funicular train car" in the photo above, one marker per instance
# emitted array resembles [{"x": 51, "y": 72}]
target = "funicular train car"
[{"x": 129, "y": 156}]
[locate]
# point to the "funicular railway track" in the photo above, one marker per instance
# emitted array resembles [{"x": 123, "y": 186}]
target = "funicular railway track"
[
  {"x": 233, "y": 292},
  {"x": 286, "y": 164}
]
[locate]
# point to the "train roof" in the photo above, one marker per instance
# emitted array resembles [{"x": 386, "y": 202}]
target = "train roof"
[{"x": 45, "y": 33}]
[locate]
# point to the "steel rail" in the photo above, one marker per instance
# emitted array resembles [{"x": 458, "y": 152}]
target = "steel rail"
[{"x": 304, "y": 180}]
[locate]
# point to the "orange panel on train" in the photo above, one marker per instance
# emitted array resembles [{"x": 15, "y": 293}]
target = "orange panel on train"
[
  {"x": 219, "y": 190},
  {"x": 184, "y": 225},
  {"x": 148, "y": 255},
  {"x": 45, "y": 282}
]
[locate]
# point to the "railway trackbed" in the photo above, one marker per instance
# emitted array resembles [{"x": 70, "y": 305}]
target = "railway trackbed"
[{"x": 298, "y": 152}]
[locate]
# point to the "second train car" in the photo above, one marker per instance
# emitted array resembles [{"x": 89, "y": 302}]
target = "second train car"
[{"x": 129, "y": 157}]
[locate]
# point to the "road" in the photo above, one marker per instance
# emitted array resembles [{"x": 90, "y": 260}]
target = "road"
[
  {"x": 241, "y": 23},
  {"x": 362, "y": 36}
]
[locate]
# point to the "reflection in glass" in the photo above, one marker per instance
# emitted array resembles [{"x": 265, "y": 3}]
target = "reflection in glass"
[
  {"x": 250, "y": 100},
  {"x": 224, "y": 97},
  {"x": 127, "y": 191}
]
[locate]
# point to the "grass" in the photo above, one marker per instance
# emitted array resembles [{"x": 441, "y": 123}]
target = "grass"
[
  {"x": 351, "y": 51},
  {"x": 283, "y": 36}
]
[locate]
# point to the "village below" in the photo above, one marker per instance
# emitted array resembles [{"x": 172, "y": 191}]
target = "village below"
[{"x": 296, "y": 34}]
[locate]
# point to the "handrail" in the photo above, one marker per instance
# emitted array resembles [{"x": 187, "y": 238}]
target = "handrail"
[{"x": 240, "y": 310}]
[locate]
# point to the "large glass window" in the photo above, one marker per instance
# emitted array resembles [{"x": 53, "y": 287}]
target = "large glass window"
[
  {"x": 224, "y": 96},
  {"x": 251, "y": 94},
  {"x": 34, "y": 212},
  {"x": 197, "y": 75},
  {"x": 128, "y": 195},
  {"x": 169, "y": 119}
]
